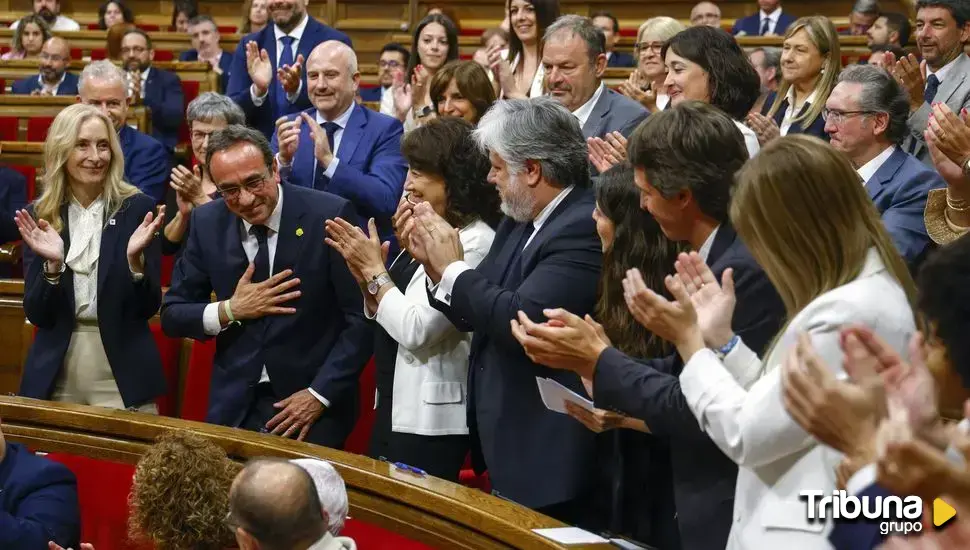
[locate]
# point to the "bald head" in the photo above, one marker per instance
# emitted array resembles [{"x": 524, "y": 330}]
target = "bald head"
[
  {"x": 332, "y": 78},
  {"x": 275, "y": 503},
  {"x": 335, "y": 52},
  {"x": 55, "y": 57}
]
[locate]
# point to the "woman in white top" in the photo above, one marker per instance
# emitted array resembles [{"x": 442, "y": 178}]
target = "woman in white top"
[
  {"x": 93, "y": 269},
  {"x": 518, "y": 70},
  {"x": 435, "y": 43},
  {"x": 706, "y": 64},
  {"x": 421, "y": 358},
  {"x": 646, "y": 83},
  {"x": 799, "y": 208}
]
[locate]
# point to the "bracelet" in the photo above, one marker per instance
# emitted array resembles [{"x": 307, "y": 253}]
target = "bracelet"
[
  {"x": 228, "y": 309},
  {"x": 957, "y": 205},
  {"x": 726, "y": 349}
]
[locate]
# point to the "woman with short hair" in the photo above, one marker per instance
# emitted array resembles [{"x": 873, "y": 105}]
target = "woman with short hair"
[{"x": 462, "y": 89}]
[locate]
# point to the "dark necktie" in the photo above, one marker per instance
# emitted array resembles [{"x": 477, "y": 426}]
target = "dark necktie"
[
  {"x": 261, "y": 262},
  {"x": 320, "y": 181},
  {"x": 286, "y": 58},
  {"x": 932, "y": 85},
  {"x": 764, "y": 26}
]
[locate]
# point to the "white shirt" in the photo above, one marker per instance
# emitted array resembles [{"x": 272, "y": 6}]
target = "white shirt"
[
  {"x": 443, "y": 291},
  {"x": 387, "y": 101},
  {"x": 790, "y": 113},
  {"x": 750, "y": 139},
  {"x": 297, "y": 34},
  {"x": 340, "y": 121},
  {"x": 705, "y": 249},
  {"x": 662, "y": 101},
  {"x": 60, "y": 24},
  {"x": 869, "y": 169},
  {"x": 144, "y": 81},
  {"x": 250, "y": 244},
  {"x": 85, "y": 226},
  {"x": 587, "y": 108},
  {"x": 772, "y": 20},
  {"x": 55, "y": 87}
]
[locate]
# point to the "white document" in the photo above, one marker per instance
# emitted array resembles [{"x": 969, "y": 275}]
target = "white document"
[
  {"x": 570, "y": 535},
  {"x": 555, "y": 395}
]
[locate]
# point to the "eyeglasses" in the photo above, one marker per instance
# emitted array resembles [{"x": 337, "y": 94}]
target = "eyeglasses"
[
  {"x": 839, "y": 117},
  {"x": 655, "y": 47},
  {"x": 389, "y": 64},
  {"x": 231, "y": 192},
  {"x": 54, "y": 58}
]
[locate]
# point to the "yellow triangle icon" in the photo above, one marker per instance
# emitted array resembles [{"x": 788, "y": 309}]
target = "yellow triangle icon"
[{"x": 942, "y": 512}]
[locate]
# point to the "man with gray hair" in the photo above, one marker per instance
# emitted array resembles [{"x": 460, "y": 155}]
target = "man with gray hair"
[
  {"x": 866, "y": 120},
  {"x": 331, "y": 490},
  {"x": 104, "y": 86},
  {"x": 546, "y": 254}
]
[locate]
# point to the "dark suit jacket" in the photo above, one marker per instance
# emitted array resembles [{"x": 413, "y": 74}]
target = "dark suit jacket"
[
  {"x": 38, "y": 502},
  {"x": 371, "y": 170},
  {"x": 621, "y": 59},
  {"x": 147, "y": 163},
  {"x": 858, "y": 535},
  {"x": 31, "y": 83},
  {"x": 13, "y": 197},
  {"x": 264, "y": 117},
  {"x": 225, "y": 65},
  {"x": 534, "y": 456},
  {"x": 816, "y": 128},
  {"x": 614, "y": 112},
  {"x": 324, "y": 345},
  {"x": 751, "y": 25},
  {"x": 163, "y": 95},
  {"x": 649, "y": 389},
  {"x": 899, "y": 189},
  {"x": 124, "y": 308},
  {"x": 372, "y": 93}
]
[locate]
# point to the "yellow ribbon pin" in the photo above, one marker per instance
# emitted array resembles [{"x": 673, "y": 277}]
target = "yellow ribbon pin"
[{"x": 299, "y": 231}]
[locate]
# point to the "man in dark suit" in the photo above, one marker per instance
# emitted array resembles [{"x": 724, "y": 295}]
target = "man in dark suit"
[
  {"x": 147, "y": 163},
  {"x": 159, "y": 90},
  {"x": 770, "y": 20},
  {"x": 608, "y": 24},
  {"x": 545, "y": 254},
  {"x": 53, "y": 78},
  {"x": 684, "y": 160},
  {"x": 38, "y": 501},
  {"x": 288, "y": 355},
  {"x": 205, "y": 47},
  {"x": 266, "y": 78},
  {"x": 867, "y": 122},
  {"x": 340, "y": 147}
]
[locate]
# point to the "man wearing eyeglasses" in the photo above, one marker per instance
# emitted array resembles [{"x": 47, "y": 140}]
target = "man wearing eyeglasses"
[
  {"x": 394, "y": 59},
  {"x": 53, "y": 78},
  {"x": 158, "y": 89},
  {"x": 291, "y": 335},
  {"x": 865, "y": 117}
]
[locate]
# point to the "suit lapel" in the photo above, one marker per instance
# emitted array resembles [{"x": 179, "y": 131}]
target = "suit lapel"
[
  {"x": 68, "y": 274},
  {"x": 594, "y": 123},
  {"x": 722, "y": 241},
  {"x": 954, "y": 80},
  {"x": 289, "y": 242},
  {"x": 885, "y": 173},
  {"x": 236, "y": 255},
  {"x": 547, "y": 228},
  {"x": 110, "y": 234},
  {"x": 352, "y": 134}
]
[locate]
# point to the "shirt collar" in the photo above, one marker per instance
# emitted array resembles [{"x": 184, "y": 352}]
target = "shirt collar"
[
  {"x": 95, "y": 204},
  {"x": 40, "y": 79},
  {"x": 773, "y": 16},
  {"x": 790, "y": 96},
  {"x": 944, "y": 70},
  {"x": 587, "y": 109},
  {"x": 547, "y": 211},
  {"x": 341, "y": 120},
  {"x": 273, "y": 223},
  {"x": 869, "y": 169},
  {"x": 705, "y": 249},
  {"x": 144, "y": 76},
  {"x": 296, "y": 33}
]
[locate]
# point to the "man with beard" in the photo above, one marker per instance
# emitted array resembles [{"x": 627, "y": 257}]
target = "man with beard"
[
  {"x": 147, "y": 167},
  {"x": 394, "y": 59},
  {"x": 53, "y": 78},
  {"x": 159, "y": 90},
  {"x": 50, "y": 11},
  {"x": 890, "y": 29},
  {"x": 340, "y": 147},
  {"x": 205, "y": 47}
]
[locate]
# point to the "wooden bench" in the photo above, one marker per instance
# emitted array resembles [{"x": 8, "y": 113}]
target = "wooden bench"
[{"x": 26, "y": 118}]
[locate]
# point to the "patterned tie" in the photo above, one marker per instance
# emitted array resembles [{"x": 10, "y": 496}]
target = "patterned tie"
[
  {"x": 932, "y": 85},
  {"x": 320, "y": 180},
  {"x": 764, "y": 26},
  {"x": 261, "y": 261},
  {"x": 286, "y": 58}
]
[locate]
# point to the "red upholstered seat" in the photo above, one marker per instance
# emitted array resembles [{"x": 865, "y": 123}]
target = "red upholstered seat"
[
  {"x": 168, "y": 264},
  {"x": 228, "y": 29},
  {"x": 359, "y": 440},
  {"x": 372, "y": 537},
  {"x": 37, "y": 128},
  {"x": 3, "y": 85},
  {"x": 164, "y": 55},
  {"x": 8, "y": 128},
  {"x": 198, "y": 379},
  {"x": 190, "y": 90},
  {"x": 148, "y": 28},
  {"x": 77, "y": 53},
  {"x": 170, "y": 349},
  {"x": 99, "y": 54}
]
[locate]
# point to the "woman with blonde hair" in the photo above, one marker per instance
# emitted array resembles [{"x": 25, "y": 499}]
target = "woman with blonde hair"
[
  {"x": 810, "y": 65},
  {"x": 92, "y": 273},
  {"x": 28, "y": 38},
  {"x": 646, "y": 83},
  {"x": 800, "y": 209}
]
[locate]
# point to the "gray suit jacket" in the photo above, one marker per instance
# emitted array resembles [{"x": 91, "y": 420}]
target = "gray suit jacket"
[
  {"x": 613, "y": 112},
  {"x": 955, "y": 92}
]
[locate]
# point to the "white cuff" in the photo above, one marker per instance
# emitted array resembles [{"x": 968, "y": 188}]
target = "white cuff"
[
  {"x": 863, "y": 478},
  {"x": 282, "y": 164},
  {"x": 296, "y": 95},
  {"x": 448, "y": 278},
  {"x": 319, "y": 397},
  {"x": 258, "y": 99},
  {"x": 210, "y": 319},
  {"x": 331, "y": 168}
]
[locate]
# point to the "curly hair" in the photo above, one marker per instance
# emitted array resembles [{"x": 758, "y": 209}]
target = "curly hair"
[
  {"x": 180, "y": 494},
  {"x": 942, "y": 288},
  {"x": 444, "y": 147}
]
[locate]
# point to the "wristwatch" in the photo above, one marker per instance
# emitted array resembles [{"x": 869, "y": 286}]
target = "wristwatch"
[{"x": 376, "y": 282}]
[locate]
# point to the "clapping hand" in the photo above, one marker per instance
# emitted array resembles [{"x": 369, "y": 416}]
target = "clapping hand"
[
  {"x": 254, "y": 300},
  {"x": 54, "y": 546},
  {"x": 420, "y": 81},
  {"x": 41, "y": 238},
  {"x": 188, "y": 183},
  {"x": 765, "y": 128},
  {"x": 432, "y": 241},
  {"x": 911, "y": 74},
  {"x": 405, "y": 208},
  {"x": 364, "y": 253},
  {"x": 566, "y": 341},
  {"x": 632, "y": 89},
  {"x": 674, "y": 321},
  {"x": 608, "y": 152},
  {"x": 713, "y": 302},
  {"x": 289, "y": 76},
  {"x": 321, "y": 143},
  {"x": 403, "y": 96},
  {"x": 951, "y": 133},
  {"x": 259, "y": 67},
  {"x": 142, "y": 237},
  {"x": 288, "y": 137},
  {"x": 503, "y": 73}
]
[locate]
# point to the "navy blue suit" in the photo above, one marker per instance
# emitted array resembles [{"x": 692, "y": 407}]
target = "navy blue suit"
[
  {"x": 621, "y": 59},
  {"x": 371, "y": 170},
  {"x": 163, "y": 95},
  {"x": 858, "y": 535},
  {"x": 32, "y": 82},
  {"x": 147, "y": 163},
  {"x": 816, "y": 128},
  {"x": 13, "y": 197},
  {"x": 534, "y": 456},
  {"x": 372, "y": 93},
  {"x": 124, "y": 309},
  {"x": 38, "y": 502},
  {"x": 264, "y": 117},
  {"x": 225, "y": 65},
  {"x": 324, "y": 345},
  {"x": 899, "y": 189},
  {"x": 751, "y": 25},
  {"x": 649, "y": 389}
]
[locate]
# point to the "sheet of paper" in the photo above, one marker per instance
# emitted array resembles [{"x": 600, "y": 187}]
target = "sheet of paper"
[
  {"x": 570, "y": 535},
  {"x": 555, "y": 395}
]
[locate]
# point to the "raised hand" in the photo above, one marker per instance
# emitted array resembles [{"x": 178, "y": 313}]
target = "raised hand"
[
  {"x": 674, "y": 321},
  {"x": 142, "y": 237},
  {"x": 189, "y": 184},
  {"x": 765, "y": 128},
  {"x": 911, "y": 74},
  {"x": 503, "y": 73},
  {"x": 289, "y": 75},
  {"x": 600, "y": 154},
  {"x": 713, "y": 302},
  {"x": 254, "y": 300},
  {"x": 41, "y": 238},
  {"x": 951, "y": 133},
  {"x": 403, "y": 96},
  {"x": 951, "y": 172},
  {"x": 566, "y": 341},
  {"x": 364, "y": 253},
  {"x": 321, "y": 145},
  {"x": 259, "y": 67},
  {"x": 632, "y": 89},
  {"x": 288, "y": 137},
  {"x": 399, "y": 220},
  {"x": 420, "y": 82},
  {"x": 439, "y": 242}
]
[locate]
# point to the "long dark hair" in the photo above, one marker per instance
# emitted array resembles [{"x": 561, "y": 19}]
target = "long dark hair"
[
  {"x": 547, "y": 11},
  {"x": 451, "y": 31},
  {"x": 126, "y": 13},
  {"x": 637, "y": 242}
]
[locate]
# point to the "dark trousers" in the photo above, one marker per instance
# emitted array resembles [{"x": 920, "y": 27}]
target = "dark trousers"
[{"x": 330, "y": 430}]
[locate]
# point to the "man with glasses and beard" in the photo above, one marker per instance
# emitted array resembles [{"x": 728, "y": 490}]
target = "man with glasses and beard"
[
  {"x": 53, "y": 78},
  {"x": 159, "y": 90},
  {"x": 50, "y": 11}
]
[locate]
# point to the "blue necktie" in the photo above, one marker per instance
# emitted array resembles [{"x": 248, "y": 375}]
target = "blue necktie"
[
  {"x": 286, "y": 58},
  {"x": 764, "y": 26},
  {"x": 261, "y": 261},
  {"x": 932, "y": 85},
  {"x": 320, "y": 181}
]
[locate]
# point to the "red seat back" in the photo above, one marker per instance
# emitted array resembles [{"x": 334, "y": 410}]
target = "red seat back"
[
  {"x": 164, "y": 55},
  {"x": 359, "y": 440},
  {"x": 98, "y": 54},
  {"x": 37, "y": 128},
  {"x": 190, "y": 90},
  {"x": 8, "y": 128},
  {"x": 198, "y": 380},
  {"x": 373, "y": 537}
]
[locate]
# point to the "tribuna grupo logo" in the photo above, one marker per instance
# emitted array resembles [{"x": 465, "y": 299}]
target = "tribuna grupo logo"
[{"x": 893, "y": 513}]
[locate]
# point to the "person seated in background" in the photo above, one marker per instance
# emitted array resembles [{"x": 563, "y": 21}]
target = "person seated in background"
[
  {"x": 462, "y": 89},
  {"x": 13, "y": 197},
  {"x": 29, "y": 38},
  {"x": 770, "y": 20},
  {"x": 880, "y": 54},
  {"x": 158, "y": 89},
  {"x": 646, "y": 83},
  {"x": 864, "y": 15},
  {"x": 495, "y": 39},
  {"x": 182, "y": 12},
  {"x": 50, "y": 11},
  {"x": 273, "y": 505},
  {"x": 889, "y": 29},
  {"x": 113, "y": 12},
  {"x": 331, "y": 490},
  {"x": 147, "y": 164},
  {"x": 255, "y": 16},
  {"x": 53, "y": 78},
  {"x": 205, "y": 47},
  {"x": 392, "y": 63},
  {"x": 705, "y": 13},
  {"x": 608, "y": 23},
  {"x": 767, "y": 63},
  {"x": 38, "y": 501},
  {"x": 341, "y": 147},
  {"x": 113, "y": 39}
]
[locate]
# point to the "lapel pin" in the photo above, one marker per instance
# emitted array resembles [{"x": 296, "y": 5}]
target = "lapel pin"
[
  {"x": 111, "y": 221},
  {"x": 299, "y": 231}
]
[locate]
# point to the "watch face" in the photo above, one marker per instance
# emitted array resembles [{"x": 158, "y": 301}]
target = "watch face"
[{"x": 373, "y": 287}]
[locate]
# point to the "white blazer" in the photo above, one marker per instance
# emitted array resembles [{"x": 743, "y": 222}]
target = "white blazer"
[
  {"x": 431, "y": 369},
  {"x": 777, "y": 459}
]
